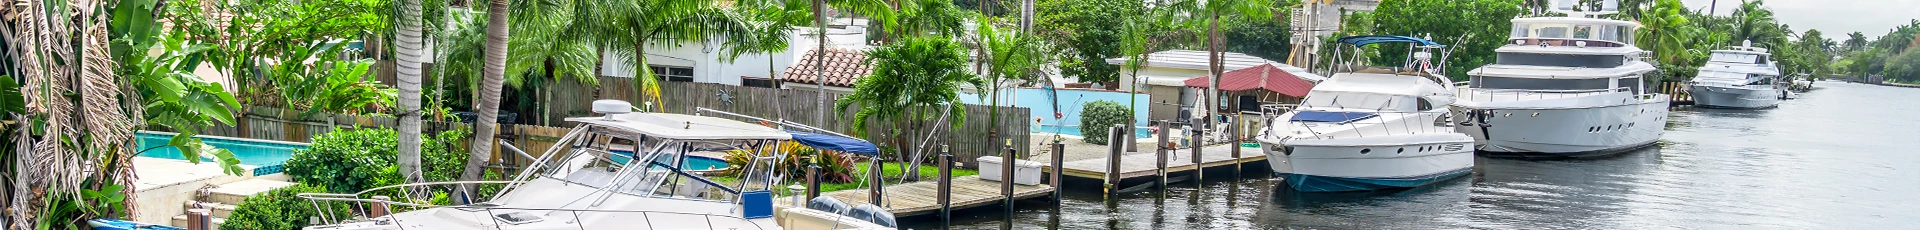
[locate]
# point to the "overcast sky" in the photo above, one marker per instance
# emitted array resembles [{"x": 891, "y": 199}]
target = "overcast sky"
[{"x": 1834, "y": 18}]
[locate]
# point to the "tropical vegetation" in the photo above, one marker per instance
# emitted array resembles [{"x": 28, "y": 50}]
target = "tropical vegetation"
[
  {"x": 1098, "y": 116},
  {"x": 281, "y": 209}
]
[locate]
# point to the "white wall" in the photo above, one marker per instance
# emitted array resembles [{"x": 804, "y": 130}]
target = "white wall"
[{"x": 707, "y": 64}]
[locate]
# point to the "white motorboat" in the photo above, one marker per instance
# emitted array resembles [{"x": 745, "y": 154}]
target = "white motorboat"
[
  {"x": 1563, "y": 87},
  {"x": 1370, "y": 130},
  {"x": 1741, "y": 77},
  {"x": 588, "y": 182}
]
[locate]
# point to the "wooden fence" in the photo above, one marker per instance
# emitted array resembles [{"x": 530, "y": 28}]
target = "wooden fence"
[{"x": 968, "y": 142}]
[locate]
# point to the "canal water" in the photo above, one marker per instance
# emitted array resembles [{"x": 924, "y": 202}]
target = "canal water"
[{"x": 1846, "y": 156}]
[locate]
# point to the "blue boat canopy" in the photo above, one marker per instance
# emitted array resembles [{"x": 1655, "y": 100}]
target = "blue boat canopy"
[
  {"x": 1365, "y": 40},
  {"x": 1338, "y": 117},
  {"x": 836, "y": 143}
]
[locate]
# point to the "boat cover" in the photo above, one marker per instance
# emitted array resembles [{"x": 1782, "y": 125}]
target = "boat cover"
[
  {"x": 1320, "y": 116},
  {"x": 836, "y": 143}
]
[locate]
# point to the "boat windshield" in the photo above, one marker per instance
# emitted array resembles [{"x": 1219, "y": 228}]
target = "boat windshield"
[
  {"x": 1737, "y": 58},
  {"x": 654, "y": 167},
  {"x": 1601, "y": 32},
  {"x": 1362, "y": 101}
]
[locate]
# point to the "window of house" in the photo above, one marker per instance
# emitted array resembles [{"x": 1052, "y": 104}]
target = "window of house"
[
  {"x": 757, "y": 82},
  {"x": 672, "y": 73}
]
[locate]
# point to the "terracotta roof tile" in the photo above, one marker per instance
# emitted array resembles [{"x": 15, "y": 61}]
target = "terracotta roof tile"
[{"x": 843, "y": 68}]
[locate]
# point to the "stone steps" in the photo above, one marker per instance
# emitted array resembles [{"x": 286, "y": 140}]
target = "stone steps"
[{"x": 181, "y": 221}]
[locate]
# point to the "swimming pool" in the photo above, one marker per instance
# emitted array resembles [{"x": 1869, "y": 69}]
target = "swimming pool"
[
  {"x": 1074, "y": 130},
  {"x": 266, "y": 156},
  {"x": 694, "y": 163}
]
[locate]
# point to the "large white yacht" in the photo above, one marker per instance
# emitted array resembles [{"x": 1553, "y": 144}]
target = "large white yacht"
[
  {"x": 1741, "y": 77},
  {"x": 1371, "y": 129},
  {"x": 1563, "y": 87},
  {"x": 589, "y": 182}
]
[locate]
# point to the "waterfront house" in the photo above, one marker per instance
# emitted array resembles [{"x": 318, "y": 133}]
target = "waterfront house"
[{"x": 1164, "y": 77}]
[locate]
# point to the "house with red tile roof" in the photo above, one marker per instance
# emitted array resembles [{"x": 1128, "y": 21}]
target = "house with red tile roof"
[{"x": 704, "y": 61}]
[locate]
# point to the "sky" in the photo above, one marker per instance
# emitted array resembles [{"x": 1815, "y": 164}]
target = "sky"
[{"x": 1834, "y": 18}]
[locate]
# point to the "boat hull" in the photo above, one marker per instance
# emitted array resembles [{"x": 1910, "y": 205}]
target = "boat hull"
[
  {"x": 1734, "y": 97},
  {"x": 1564, "y": 132},
  {"x": 1371, "y": 163}
]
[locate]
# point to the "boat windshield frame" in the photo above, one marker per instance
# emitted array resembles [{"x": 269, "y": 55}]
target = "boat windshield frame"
[{"x": 595, "y": 142}]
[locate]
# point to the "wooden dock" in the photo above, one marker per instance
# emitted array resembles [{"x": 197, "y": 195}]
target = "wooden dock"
[
  {"x": 1142, "y": 164},
  {"x": 921, "y": 198}
]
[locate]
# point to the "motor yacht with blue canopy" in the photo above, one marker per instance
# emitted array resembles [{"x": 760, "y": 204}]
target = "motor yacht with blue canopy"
[
  {"x": 580, "y": 183},
  {"x": 1370, "y": 128}
]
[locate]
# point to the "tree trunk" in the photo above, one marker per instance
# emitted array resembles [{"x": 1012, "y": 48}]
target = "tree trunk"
[
  {"x": 488, "y": 108},
  {"x": 820, "y": 65},
  {"x": 1213, "y": 69},
  {"x": 410, "y": 42}
]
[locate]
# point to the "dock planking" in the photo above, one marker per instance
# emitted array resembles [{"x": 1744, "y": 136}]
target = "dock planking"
[
  {"x": 1141, "y": 164},
  {"x": 921, "y": 198}
]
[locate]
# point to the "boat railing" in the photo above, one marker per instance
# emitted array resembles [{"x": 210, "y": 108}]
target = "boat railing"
[
  {"x": 1499, "y": 95},
  {"x": 1385, "y": 122},
  {"x": 366, "y": 202},
  {"x": 644, "y": 215}
]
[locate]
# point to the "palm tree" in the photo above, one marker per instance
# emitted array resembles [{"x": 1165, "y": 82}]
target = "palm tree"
[
  {"x": 550, "y": 46},
  {"x": 487, "y": 109},
  {"x": 1856, "y": 41},
  {"x": 1012, "y": 57},
  {"x": 409, "y": 42},
  {"x": 1665, "y": 33},
  {"x": 913, "y": 80},
  {"x": 1211, "y": 14},
  {"x": 1753, "y": 22}
]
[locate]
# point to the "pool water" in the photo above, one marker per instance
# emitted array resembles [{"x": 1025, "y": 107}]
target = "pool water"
[
  {"x": 692, "y": 163},
  {"x": 1074, "y": 130},
  {"x": 266, "y": 156}
]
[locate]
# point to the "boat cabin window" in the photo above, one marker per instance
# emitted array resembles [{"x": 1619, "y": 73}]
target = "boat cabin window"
[
  {"x": 1560, "y": 60},
  {"x": 1354, "y": 100},
  {"x": 1633, "y": 84},
  {"x": 1737, "y": 58},
  {"x": 1425, "y": 105},
  {"x": 1567, "y": 31},
  {"x": 1484, "y": 82}
]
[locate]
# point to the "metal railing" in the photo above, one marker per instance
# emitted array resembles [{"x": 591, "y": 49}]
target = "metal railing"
[
  {"x": 376, "y": 204},
  {"x": 1401, "y": 123}
]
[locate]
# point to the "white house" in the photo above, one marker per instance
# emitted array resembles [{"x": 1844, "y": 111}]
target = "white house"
[
  {"x": 702, "y": 61},
  {"x": 1164, "y": 74}
]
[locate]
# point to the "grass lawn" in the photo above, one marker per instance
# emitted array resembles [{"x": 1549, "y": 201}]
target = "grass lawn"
[{"x": 891, "y": 174}]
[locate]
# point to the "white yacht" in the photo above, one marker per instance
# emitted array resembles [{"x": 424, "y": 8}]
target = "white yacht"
[
  {"x": 1563, "y": 87},
  {"x": 1370, "y": 129},
  {"x": 1741, "y": 77},
  {"x": 588, "y": 182}
]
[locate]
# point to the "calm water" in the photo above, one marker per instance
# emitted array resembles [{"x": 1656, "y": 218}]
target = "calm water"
[{"x": 1842, "y": 157}]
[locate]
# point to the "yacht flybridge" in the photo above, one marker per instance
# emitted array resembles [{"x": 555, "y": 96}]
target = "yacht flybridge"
[
  {"x": 1563, "y": 87},
  {"x": 1740, "y": 77},
  {"x": 594, "y": 179},
  {"x": 1371, "y": 128}
]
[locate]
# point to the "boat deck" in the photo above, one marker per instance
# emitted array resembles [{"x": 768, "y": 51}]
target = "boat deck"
[
  {"x": 1142, "y": 164},
  {"x": 922, "y": 198}
]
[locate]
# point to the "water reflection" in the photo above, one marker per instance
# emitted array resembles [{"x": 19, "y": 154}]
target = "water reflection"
[{"x": 1837, "y": 158}]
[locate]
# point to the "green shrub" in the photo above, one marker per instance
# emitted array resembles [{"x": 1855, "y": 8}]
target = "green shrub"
[
  {"x": 1096, "y": 117},
  {"x": 280, "y": 209},
  {"x": 348, "y": 161}
]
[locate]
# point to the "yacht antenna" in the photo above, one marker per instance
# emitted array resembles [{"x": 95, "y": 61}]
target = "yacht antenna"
[{"x": 1572, "y": 9}]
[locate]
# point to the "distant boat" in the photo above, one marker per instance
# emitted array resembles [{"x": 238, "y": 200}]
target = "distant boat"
[
  {"x": 1563, "y": 87},
  {"x": 1741, "y": 77},
  {"x": 1370, "y": 129},
  {"x": 580, "y": 184}
]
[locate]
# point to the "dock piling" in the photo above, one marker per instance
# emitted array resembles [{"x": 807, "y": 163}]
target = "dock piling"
[
  {"x": 1059, "y": 158},
  {"x": 1233, "y": 140},
  {"x": 1160, "y": 153},
  {"x": 946, "y": 186},
  {"x": 1006, "y": 174},
  {"x": 813, "y": 182},
  {"x": 1113, "y": 159},
  {"x": 1199, "y": 140}
]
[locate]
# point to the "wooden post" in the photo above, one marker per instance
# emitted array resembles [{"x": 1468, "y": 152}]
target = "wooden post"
[
  {"x": 1006, "y": 175},
  {"x": 199, "y": 219},
  {"x": 946, "y": 186},
  {"x": 1160, "y": 153},
  {"x": 813, "y": 182},
  {"x": 1233, "y": 140},
  {"x": 379, "y": 208},
  {"x": 1199, "y": 141},
  {"x": 873, "y": 192},
  {"x": 1113, "y": 160},
  {"x": 1059, "y": 156}
]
